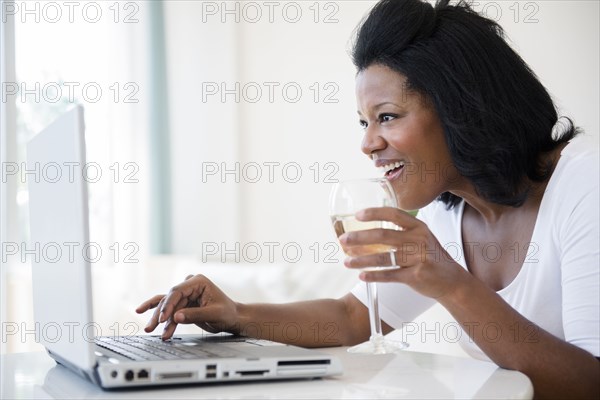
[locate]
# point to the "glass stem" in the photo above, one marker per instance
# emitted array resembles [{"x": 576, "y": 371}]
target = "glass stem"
[{"x": 374, "y": 319}]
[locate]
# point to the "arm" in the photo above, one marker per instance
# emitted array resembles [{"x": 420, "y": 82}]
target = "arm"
[
  {"x": 556, "y": 368},
  {"x": 316, "y": 323}
]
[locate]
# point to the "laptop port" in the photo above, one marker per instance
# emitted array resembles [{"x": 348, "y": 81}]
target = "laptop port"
[
  {"x": 175, "y": 375},
  {"x": 211, "y": 371},
  {"x": 129, "y": 375},
  {"x": 252, "y": 373},
  {"x": 142, "y": 374}
]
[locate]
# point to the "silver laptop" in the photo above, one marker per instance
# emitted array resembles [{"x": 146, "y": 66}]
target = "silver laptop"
[{"x": 62, "y": 294}]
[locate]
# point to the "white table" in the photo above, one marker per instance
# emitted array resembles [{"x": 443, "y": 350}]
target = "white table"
[{"x": 406, "y": 375}]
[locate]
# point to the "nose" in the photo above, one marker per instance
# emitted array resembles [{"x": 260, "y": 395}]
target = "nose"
[{"x": 372, "y": 142}]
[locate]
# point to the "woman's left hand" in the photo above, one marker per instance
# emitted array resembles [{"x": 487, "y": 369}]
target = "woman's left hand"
[{"x": 425, "y": 265}]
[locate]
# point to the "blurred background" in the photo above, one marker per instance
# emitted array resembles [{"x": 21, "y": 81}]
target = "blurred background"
[{"x": 215, "y": 131}]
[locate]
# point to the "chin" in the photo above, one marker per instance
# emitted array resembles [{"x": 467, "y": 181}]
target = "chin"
[
  {"x": 411, "y": 204},
  {"x": 406, "y": 204}
]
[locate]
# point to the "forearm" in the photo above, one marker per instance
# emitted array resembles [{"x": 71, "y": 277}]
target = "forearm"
[
  {"x": 316, "y": 323},
  {"x": 556, "y": 368}
]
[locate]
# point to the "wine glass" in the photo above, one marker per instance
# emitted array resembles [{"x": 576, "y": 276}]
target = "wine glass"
[{"x": 346, "y": 199}]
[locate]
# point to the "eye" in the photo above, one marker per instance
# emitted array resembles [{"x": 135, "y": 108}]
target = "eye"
[
  {"x": 387, "y": 117},
  {"x": 363, "y": 124}
]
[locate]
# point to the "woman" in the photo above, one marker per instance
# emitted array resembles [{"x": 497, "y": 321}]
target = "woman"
[{"x": 513, "y": 193}]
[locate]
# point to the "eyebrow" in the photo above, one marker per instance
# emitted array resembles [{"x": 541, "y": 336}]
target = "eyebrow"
[{"x": 375, "y": 107}]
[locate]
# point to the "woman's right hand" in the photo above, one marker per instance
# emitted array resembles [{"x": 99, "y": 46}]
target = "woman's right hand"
[{"x": 194, "y": 301}]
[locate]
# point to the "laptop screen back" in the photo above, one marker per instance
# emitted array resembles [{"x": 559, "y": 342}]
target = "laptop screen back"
[{"x": 59, "y": 235}]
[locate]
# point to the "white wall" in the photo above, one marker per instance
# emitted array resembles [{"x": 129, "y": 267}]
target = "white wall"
[
  {"x": 198, "y": 52},
  {"x": 562, "y": 47},
  {"x": 292, "y": 134}
]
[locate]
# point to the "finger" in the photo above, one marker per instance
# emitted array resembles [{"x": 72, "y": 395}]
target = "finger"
[
  {"x": 373, "y": 236},
  {"x": 389, "y": 275},
  {"x": 171, "y": 325},
  {"x": 391, "y": 214},
  {"x": 167, "y": 308},
  {"x": 178, "y": 294},
  {"x": 153, "y": 321},
  {"x": 199, "y": 315},
  {"x": 372, "y": 260},
  {"x": 168, "y": 329},
  {"x": 148, "y": 304},
  {"x": 190, "y": 289},
  {"x": 210, "y": 328}
]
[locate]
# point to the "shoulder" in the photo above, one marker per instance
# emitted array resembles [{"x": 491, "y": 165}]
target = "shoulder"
[
  {"x": 570, "y": 203},
  {"x": 579, "y": 164},
  {"x": 440, "y": 220},
  {"x": 429, "y": 213},
  {"x": 575, "y": 181}
]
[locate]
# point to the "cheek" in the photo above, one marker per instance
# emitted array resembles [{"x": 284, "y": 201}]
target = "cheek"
[
  {"x": 415, "y": 136},
  {"x": 405, "y": 137},
  {"x": 414, "y": 191},
  {"x": 426, "y": 176},
  {"x": 423, "y": 181},
  {"x": 422, "y": 186}
]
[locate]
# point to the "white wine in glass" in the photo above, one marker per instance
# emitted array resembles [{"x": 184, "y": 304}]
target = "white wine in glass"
[
  {"x": 349, "y": 223},
  {"x": 346, "y": 199}
]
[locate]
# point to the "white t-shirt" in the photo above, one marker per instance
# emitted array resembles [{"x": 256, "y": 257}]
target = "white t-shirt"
[{"x": 557, "y": 287}]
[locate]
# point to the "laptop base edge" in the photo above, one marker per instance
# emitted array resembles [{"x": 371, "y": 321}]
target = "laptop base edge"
[{"x": 91, "y": 376}]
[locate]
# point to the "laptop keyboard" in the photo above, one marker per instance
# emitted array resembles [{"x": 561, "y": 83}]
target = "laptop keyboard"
[{"x": 153, "y": 348}]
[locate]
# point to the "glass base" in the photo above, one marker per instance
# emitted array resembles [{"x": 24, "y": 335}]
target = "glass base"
[{"x": 378, "y": 346}]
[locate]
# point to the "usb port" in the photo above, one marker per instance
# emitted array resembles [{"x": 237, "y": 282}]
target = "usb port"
[{"x": 211, "y": 371}]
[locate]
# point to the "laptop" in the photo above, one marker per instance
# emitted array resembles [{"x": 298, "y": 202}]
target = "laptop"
[{"x": 62, "y": 293}]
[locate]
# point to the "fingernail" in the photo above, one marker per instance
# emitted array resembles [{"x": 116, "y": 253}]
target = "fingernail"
[
  {"x": 359, "y": 214},
  {"x": 161, "y": 317},
  {"x": 179, "y": 317},
  {"x": 347, "y": 261}
]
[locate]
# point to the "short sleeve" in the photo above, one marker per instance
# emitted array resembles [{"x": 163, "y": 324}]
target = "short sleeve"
[
  {"x": 425, "y": 213},
  {"x": 398, "y": 303},
  {"x": 580, "y": 266}
]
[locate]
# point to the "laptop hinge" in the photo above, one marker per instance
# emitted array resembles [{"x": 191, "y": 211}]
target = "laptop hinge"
[{"x": 89, "y": 375}]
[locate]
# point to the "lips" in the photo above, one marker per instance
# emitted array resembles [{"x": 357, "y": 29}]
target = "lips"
[
  {"x": 387, "y": 168},
  {"x": 391, "y": 169},
  {"x": 394, "y": 173}
]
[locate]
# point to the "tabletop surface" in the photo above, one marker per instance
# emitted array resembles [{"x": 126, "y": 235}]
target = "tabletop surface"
[{"x": 405, "y": 375}]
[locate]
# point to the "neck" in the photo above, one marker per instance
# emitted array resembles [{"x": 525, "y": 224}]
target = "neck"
[
  {"x": 486, "y": 210},
  {"x": 492, "y": 212}
]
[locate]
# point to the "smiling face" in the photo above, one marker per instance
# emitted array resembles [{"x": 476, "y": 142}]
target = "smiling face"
[{"x": 404, "y": 137}]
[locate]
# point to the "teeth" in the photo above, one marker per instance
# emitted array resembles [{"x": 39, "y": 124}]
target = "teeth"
[{"x": 391, "y": 166}]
